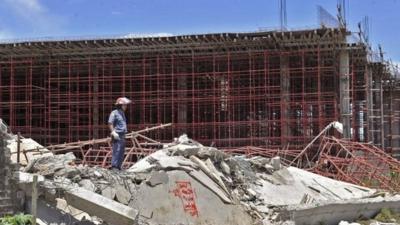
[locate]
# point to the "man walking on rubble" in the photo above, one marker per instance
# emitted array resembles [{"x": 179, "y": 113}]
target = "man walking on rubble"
[{"x": 118, "y": 128}]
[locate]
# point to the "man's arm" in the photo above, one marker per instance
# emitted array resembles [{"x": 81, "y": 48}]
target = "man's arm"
[{"x": 111, "y": 126}]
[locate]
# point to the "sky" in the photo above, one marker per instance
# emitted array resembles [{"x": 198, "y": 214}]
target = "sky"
[{"x": 33, "y": 19}]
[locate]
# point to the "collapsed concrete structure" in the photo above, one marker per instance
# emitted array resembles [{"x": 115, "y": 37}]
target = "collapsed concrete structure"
[
  {"x": 188, "y": 183},
  {"x": 258, "y": 95}
]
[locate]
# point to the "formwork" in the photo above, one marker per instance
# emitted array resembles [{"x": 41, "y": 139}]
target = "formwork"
[{"x": 267, "y": 89}]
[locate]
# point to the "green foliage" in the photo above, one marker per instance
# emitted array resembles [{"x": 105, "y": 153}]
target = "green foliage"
[
  {"x": 387, "y": 216},
  {"x": 364, "y": 222},
  {"x": 370, "y": 182},
  {"x": 19, "y": 219},
  {"x": 395, "y": 177}
]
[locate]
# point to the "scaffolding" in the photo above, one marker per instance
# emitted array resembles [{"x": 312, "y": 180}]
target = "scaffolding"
[
  {"x": 359, "y": 163},
  {"x": 265, "y": 89}
]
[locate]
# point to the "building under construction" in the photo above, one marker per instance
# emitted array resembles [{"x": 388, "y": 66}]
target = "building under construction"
[{"x": 272, "y": 89}]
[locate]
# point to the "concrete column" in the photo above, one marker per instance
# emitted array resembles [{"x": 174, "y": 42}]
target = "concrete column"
[
  {"x": 285, "y": 98},
  {"x": 382, "y": 113},
  {"x": 95, "y": 103},
  {"x": 344, "y": 87},
  {"x": 182, "y": 104},
  {"x": 370, "y": 110},
  {"x": 396, "y": 126}
]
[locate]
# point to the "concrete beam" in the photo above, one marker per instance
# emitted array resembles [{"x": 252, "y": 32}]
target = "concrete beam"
[
  {"x": 333, "y": 213},
  {"x": 94, "y": 204}
]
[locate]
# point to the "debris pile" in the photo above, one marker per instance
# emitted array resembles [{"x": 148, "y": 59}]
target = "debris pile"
[
  {"x": 186, "y": 182},
  {"x": 359, "y": 163}
]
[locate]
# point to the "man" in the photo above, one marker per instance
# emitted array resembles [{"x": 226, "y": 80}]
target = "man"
[{"x": 117, "y": 125}]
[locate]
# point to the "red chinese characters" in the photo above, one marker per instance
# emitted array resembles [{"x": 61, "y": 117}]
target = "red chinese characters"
[{"x": 187, "y": 195}]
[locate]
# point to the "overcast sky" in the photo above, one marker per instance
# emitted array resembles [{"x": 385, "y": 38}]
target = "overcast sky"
[{"x": 29, "y": 19}]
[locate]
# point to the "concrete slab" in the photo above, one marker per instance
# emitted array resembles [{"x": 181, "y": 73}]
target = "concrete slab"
[
  {"x": 145, "y": 165},
  {"x": 122, "y": 195},
  {"x": 331, "y": 213},
  {"x": 176, "y": 162},
  {"x": 157, "y": 177},
  {"x": 208, "y": 183},
  {"x": 183, "y": 200},
  {"x": 289, "y": 186},
  {"x": 331, "y": 188}
]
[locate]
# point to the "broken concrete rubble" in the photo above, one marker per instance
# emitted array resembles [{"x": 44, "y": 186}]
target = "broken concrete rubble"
[
  {"x": 159, "y": 177},
  {"x": 122, "y": 195},
  {"x": 188, "y": 183},
  {"x": 88, "y": 185},
  {"x": 29, "y": 150},
  {"x": 108, "y": 192},
  {"x": 59, "y": 165}
]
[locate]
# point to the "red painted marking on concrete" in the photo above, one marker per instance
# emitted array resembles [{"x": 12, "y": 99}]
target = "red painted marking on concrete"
[{"x": 187, "y": 195}]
